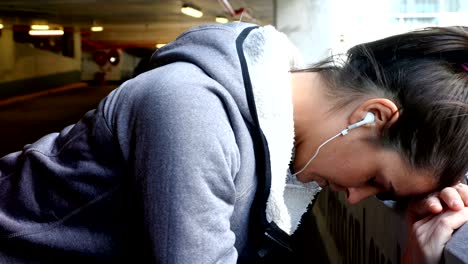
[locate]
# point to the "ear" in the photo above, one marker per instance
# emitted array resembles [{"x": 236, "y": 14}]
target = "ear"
[{"x": 385, "y": 111}]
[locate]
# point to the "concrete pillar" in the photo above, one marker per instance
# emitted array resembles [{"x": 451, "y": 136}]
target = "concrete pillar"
[
  {"x": 77, "y": 46},
  {"x": 320, "y": 28},
  {"x": 7, "y": 50},
  {"x": 308, "y": 23}
]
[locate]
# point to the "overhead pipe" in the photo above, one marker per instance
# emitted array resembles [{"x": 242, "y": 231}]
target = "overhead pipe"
[
  {"x": 228, "y": 7},
  {"x": 241, "y": 11}
]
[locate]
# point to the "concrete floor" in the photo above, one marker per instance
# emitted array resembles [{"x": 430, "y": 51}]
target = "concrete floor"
[{"x": 26, "y": 121}]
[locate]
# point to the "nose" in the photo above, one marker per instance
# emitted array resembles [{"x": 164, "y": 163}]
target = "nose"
[
  {"x": 337, "y": 188},
  {"x": 357, "y": 194}
]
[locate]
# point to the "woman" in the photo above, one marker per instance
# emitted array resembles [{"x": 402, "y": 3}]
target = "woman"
[{"x": 188, "y": 162}]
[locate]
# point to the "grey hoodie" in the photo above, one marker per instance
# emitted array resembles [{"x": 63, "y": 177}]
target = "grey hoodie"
[{"x": 166, "y": 169}]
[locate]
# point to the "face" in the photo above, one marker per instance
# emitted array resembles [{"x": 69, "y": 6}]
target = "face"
[
  {"x": 355, "y": 163},
  {"x": 363, "y": 169}
]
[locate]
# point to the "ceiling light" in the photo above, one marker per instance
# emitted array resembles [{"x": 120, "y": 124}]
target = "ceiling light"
[
  {"x": 160, "y": 45},
  {"x": 97, "y": 28},
  {"x": 55, "y": 32},
  {"x": 191, "y": 11},
  {"x": 40, "y": 27},
  {"x": 221, "y": 19}
]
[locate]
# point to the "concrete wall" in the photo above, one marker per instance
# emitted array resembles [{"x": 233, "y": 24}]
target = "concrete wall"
[
  {"x": 24, "y": 68},
  {"x": 325, "y": 27},
  {"x": 31, "y": 62},
  {"x": 321, "y": 28},
  {"x": 77, "y": 46},
  {"x": 307, "y": 24},
  {"x": 7, "y": 51},
  {"x": 128, "y": 65}
]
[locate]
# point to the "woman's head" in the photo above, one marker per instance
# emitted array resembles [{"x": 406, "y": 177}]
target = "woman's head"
[{"x": 424, "y": 74}]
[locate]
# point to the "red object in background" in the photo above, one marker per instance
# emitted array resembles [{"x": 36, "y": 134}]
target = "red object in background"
[{"x": 100, "y": 57}]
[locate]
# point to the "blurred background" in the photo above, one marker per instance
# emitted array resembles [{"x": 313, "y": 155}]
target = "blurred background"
[{"x": 58, "y": 58}]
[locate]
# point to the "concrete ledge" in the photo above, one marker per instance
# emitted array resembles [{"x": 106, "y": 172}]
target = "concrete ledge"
[
  {"x": 28, "y": 86},
  {"x": 371, "y": 232},
  {"x": 456, "y": 250},
  {"x": 20, "y": 98}
]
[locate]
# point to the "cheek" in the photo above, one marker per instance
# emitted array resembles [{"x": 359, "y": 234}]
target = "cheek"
[
  {"x": 353, "y": 172},
  {"x": 347, "y": 165}
]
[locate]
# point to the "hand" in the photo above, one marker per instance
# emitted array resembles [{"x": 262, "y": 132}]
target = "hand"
[
  {"x": 428, "y": 236},
  {"x": 431, "y": 228},
  {"x": 453, "y": 198}
]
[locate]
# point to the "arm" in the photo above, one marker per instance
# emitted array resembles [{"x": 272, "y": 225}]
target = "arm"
[{"x": 183, "y": 155}]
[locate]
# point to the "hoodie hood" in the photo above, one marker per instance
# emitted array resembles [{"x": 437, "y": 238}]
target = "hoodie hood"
[
  {"x": 269, "y": 56},
  {"x": 213, "y": 49}
]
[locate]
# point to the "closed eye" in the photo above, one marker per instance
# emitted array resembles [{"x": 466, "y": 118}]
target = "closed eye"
[
  {"x": 373, "y": 183},
  {"x": 385, "y": 193}
]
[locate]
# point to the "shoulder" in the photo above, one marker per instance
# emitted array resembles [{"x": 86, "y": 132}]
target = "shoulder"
[
  {"x": 233, "y": 29},
  {"x": 175, "y": 86},
  {"x": 174, "y": 116},
  {"x": 178, "y": 97}
]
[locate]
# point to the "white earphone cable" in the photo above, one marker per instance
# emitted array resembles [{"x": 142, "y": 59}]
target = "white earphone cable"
[
  {"x": 369, "y": 118},
  {"x": 317, "y": 151}
]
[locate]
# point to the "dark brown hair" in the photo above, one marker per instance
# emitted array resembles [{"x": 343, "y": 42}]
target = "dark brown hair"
[{"x": 422, "y": 72}]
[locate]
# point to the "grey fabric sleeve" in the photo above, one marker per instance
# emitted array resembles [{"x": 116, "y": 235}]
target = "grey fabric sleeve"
[{"x": 174, "y": 132}]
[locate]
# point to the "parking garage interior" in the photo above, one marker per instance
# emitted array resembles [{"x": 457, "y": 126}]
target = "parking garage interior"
[{"x": 59, "y": 58}]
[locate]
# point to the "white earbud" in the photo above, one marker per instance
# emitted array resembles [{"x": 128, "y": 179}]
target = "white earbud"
[{"x": 369, "y": 118}]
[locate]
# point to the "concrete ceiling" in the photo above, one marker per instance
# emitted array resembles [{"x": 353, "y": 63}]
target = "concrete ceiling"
[{"x": 141, "y": 23}]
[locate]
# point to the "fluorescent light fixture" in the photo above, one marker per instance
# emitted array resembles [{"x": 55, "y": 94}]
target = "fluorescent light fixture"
[
  {"x": 191, "y": 11},
  {"x": 160, "y": 45},
  {"x": 221, "y": 19},
  {"x": 97, "y": 28},
  {"x": 57, "y": 32},
  {"x": 40, "y": 27}
]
